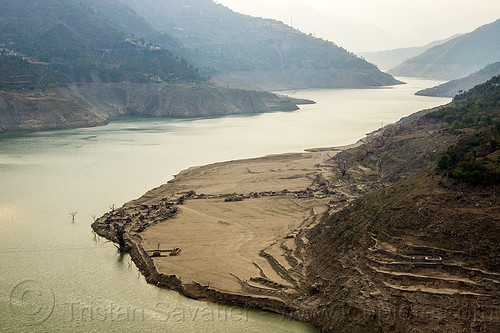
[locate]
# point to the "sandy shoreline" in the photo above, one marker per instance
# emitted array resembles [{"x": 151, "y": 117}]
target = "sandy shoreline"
[{"x": 235, "y": 223}]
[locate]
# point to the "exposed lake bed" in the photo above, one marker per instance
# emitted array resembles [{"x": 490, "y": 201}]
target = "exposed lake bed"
[{"x": 47, "y": 175}]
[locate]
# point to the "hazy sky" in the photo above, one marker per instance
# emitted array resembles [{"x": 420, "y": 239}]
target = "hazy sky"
[{"x": 368, "y": 25}]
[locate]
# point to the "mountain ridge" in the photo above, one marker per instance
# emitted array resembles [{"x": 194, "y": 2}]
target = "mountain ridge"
[
  {"x": 454, "y": 87},
  {"x": 456, "y": 58},
  {"x": 388, "y": 59},
  {"x": 238, "y": 45},
  {"x": 58, "y": 56}
]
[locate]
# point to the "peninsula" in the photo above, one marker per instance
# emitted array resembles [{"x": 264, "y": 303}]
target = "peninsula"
[{"x": 399, "y": 231}]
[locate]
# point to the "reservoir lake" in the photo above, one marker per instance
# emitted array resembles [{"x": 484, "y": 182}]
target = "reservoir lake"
[{"x": 57, "y": 276}]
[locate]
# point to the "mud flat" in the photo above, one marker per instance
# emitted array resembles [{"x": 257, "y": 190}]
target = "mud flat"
[{"x": 231, "y": 232}]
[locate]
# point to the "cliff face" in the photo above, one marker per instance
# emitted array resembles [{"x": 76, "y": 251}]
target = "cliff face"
[
  {"x": 181, "y": 100},
  {"x": 28, "y": 111},
  {"x": 92, "y": 104}
]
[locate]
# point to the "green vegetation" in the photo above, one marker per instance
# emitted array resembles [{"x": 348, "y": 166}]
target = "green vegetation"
[
  {"x": 475, "y": 160},
  {"x": 126, "y": 19},
  {"x": 476, "y": 108},
  {"x": 107, "y": 41},
  {"x": 476, "y": 114},
  {"x": 76, "y": 43},
  {"x": 236, "y": 42},
  {"x": 233, "y": 42},
  {"x": 18, "y": 73}
]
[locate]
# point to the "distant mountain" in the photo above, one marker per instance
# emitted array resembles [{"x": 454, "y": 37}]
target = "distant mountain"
[
  {"x": 66, "y": 63},
  {"x": 388, "y": 59},
  {"x": 452, "y": 88},
  {"x": 456, "y": 58},
  {"x": 351, "y": 33},
  {"x": 255, "y": 52}
]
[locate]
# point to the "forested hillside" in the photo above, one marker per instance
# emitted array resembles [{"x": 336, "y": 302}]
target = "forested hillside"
[
  {"x": 255, "y": 51},
  {"x": 73, "y": 39}
]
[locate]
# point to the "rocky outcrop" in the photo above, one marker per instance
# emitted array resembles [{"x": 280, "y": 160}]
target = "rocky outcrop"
[{"x": 93, "y": 104}]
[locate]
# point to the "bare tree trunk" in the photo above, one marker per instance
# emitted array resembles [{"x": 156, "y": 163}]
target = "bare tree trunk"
[{"x": 119, "y": 233}]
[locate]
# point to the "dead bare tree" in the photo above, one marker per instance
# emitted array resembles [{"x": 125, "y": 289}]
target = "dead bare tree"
[
  {"x": 119, "y": 234},
  {"x": 97, "y": 238},
  {"x": 73, "y": 214},
  {"x": 343, "y": 163}
]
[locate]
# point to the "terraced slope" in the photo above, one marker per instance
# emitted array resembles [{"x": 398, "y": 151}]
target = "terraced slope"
[
  {"x": 423, "y": 253},
  {"x": 414, "y": 261}
]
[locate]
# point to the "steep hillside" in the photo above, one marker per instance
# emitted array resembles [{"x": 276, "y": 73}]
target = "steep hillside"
[
  {"x": 74, "y": 39},
  {"x": 388, "y": 59},
  {"x": 248, "y": 48},
  {"x": 456, "y": 58},
  {"x": 126, "y": 19},
  {"x": 454, "y": 87},
  {"x": 71, "y": 64},
  {"x": 415, "y": 256},
  {"x": 17, "y": 73},
  {"x": 422, "y": 252}
]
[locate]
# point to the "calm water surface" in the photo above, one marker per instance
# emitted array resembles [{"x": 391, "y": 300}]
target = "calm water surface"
[{"x": 56, "y": 277}]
